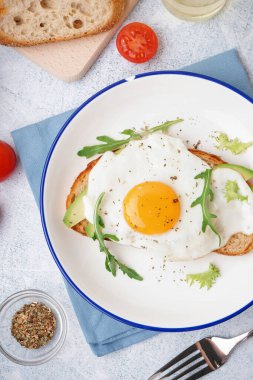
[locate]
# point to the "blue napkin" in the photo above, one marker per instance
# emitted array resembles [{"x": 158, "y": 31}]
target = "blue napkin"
[{"x": 104, "y": 334}]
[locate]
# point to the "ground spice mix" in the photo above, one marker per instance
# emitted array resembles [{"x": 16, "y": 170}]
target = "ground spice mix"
[{"x": 33, "y": 325}]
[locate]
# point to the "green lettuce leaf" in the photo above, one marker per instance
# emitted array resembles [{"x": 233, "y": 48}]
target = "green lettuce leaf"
[
  {"x": 205, "y": 279},
  {"x": 235, "y": 146},
  {"x": 232, "y": 192}
]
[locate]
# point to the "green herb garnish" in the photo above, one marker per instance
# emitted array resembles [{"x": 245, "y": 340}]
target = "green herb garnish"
[
  {"x": 111, "y": 237},
  {"x": 111, "y": 263},
  {"x": 235, "y": 146},
  {"x": 232, "y": 192},
  {"x": 206, "y": 195},
  {"x": 207, "y": 278},
  {"x": 110, "y": 144},
  {"x": 90, "y": 232}
]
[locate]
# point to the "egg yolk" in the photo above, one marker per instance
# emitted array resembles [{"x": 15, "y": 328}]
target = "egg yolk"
[{"x": 151, "y": 208}]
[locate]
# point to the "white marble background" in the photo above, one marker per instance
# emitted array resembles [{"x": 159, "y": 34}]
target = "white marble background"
[{"x": 28, "y": 94}]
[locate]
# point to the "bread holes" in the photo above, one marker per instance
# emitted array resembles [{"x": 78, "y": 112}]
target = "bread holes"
[
  {"x": 18, "y": 20},
  {"x": 45, "y": 4},
  {"x": 43, "y": 17},
  {"x": 77, "y": 24}
]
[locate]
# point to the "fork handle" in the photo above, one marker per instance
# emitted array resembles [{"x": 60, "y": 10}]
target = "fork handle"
[
  {"x": 246, "y": 336},
  {"x": 242, "y": 338},
  {"x": 227, "y": 345}
]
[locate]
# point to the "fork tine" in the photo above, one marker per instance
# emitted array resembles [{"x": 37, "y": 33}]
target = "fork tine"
[
  {"x": 200, "y": 373},
  {"x": 188, "y": 370},
  {"x": 185, "y": 363},
  {"x": 175, "y": 360}
]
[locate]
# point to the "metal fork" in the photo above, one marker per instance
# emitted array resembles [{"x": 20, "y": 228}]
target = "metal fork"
[{"x": 201, "y": 358}]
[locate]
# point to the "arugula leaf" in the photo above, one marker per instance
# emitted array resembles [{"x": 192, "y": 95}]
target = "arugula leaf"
[
  {"x": 111, "y": 237},
  {"x": 129, "y": 272},
  {"x": 207, "y": 278},
  {"x": 107, "y": 267},
  {"x": 202, "y": 201},
  {"x": 111, "y": 144},
  {"x": 235, "y": 146},
  {"x": 232, "y": 192},
  {"x": 90, "y": 232},
  {"x": 90, "y": 151},
  {"x": 130, "y": 132},
  {"x": 105, "y": 139},
  {"x": 100, "y": 221},
  {"x": 111, "y": 263}
]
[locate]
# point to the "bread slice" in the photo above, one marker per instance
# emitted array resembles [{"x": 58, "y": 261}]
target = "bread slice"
[
  {"x": 32, "y": 22},
  {"x": 238, "y": 244},
  {"x": 77, "y": 188}
]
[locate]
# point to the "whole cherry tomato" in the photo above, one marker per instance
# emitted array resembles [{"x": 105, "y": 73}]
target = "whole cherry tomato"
[{"x": 7, "y": 160}]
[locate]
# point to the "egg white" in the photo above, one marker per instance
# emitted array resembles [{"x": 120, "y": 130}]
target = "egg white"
[
  {"x": 234, "y": 216},
  {"x": 162, "y": 158}
]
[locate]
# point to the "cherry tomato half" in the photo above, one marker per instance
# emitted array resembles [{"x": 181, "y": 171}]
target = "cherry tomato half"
[
  {"x": 137, "y": 42},
  {"x": 7, "y": 160}
]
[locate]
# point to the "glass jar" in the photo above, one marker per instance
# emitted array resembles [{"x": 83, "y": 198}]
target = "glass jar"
[
  {"x": 9, "y": 345},
  {"x": 194, "y": 9}
]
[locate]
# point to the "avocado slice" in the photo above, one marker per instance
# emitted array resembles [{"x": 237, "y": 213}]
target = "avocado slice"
[
  {"x": 245, "y": 172},
  {"x": 75, "y": 213},
  {"x": 90, "y": 230}
]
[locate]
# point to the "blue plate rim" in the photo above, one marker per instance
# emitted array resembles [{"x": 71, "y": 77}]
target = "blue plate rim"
[{"x": 42, "y": 185}]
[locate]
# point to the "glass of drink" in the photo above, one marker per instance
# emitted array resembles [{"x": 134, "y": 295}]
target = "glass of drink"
[{"x": 194, "y": 9}]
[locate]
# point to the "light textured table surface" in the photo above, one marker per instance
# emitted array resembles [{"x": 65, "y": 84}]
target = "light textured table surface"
[{"x": 27, "y": 95}]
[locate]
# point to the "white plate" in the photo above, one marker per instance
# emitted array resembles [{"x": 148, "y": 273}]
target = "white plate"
[{"x": 167, "y": 302}]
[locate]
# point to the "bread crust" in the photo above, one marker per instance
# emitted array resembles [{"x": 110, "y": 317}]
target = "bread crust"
[
  {"x": 5, "y": 39},
  {"x": 210, "y": 159},
  {"x": 238, "y": 244}
]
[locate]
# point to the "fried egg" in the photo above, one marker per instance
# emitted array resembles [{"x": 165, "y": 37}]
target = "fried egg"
[{"x": 149, "y": 188}]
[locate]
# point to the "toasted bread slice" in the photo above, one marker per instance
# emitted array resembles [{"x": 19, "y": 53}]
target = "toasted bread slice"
[
  {"x": 238, "y": 244},
  {"x": 32, "y": 22},
  {"x": 76, "y": 189}
]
